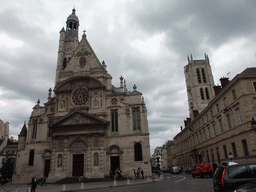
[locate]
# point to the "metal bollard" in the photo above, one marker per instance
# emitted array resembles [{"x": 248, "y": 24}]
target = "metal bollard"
[
  {"x": 114, "y": 182},
  {"x": 82, "y": 186},
  {"x": 128, "y": 181},
  {"x": 29, "y": 190},
  {"x": 63, "y": 188}
]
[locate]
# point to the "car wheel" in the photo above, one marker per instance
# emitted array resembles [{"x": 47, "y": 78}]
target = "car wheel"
[{"x": 193, "y": 175}]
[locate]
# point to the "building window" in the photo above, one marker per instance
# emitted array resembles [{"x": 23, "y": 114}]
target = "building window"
[
  {"x": 254, "y": 86},
  {"x": 218, "y": 154},
  {"x": 217, "y": 108},
  {"x": 221, "y": 127},
  {"x": 211, "y": 113},
  {"x": 203, "y": 74},
  {"x": 225, "y": 101},
  {"x": 202, "y": 93},
  {"x": 234, "y": 94},
  {"x": 234, "y": 149},
  {"x": 136, "y": 119},
  {"x": 31, "y": 157},
  {"x": 198, "y": 76},
  {"x": 238, "y": 116},
  {"x": 209, "y": 132},
  {"x": 225, "y": 151},
  {"x": 213, "y": 161},
  {"x": 204, "y": 135},
  {"x": 206, "y": 117},
  {"x": 207, "y": 155},
  {"x": 114, "y": 120},
  {"x": 228, "y": 120},
  {"x": 34, "y": 129},
  {"x": 138, "y": 152},
  {"x": 207, "y": 94},
  {"x": 245, "y": 147},
  {"x": 214, "y": 129}
]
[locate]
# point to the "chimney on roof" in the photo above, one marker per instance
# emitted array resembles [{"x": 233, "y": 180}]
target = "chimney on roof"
[
  {"x": 217, "y": 89},
  {"x": 224, "y": 81}
]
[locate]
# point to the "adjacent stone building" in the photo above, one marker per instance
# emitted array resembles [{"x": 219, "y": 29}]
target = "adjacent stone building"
[
  {"x": 225, "y": 125},
  {"x": 88, "y": 127}
]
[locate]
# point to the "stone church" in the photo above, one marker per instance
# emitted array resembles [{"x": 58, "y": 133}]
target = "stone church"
[{"x": 88, "y": 127}]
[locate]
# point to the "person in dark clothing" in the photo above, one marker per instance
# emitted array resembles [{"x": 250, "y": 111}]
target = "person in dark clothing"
[
  {"x": 33, "y": 184},
  {"x": 142, "y": 174}
]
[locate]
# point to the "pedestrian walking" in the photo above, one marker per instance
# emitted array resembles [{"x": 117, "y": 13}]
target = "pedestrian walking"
[
  {"x": 138, "y": 173},
  {"x": 33, "y": 184},
  {"x": 142, "y": 173},
  {"x": 134, "y": 174}
]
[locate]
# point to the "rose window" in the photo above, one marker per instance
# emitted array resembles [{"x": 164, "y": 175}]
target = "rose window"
[{"x": 80, "y": 96}]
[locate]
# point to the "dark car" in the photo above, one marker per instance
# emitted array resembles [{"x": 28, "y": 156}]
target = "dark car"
[
  {"x": 248, "y": 187},
  {"x": 229, "y": 178},
  {"x": 201, "y": 170}
]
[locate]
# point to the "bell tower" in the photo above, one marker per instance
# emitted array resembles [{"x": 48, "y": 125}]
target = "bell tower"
[
  {"x": 68, "y": 43},
  {"x": 199, "y": 82}
]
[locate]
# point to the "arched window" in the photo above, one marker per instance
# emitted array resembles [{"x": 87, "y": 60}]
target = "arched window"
[
  {"x": 202, "y": 93},
  {"x": 198, "y": 76},
  {"x": 203, "y": 74},
  {"x": 34, "y": 129},
  {"x": 207, "y": 94},
  {"x": 96, "y": 159},
  {"x": 114, "y": 120},
  {"x": 31, "y": 157},
  {"x": 138, "y": 152}
]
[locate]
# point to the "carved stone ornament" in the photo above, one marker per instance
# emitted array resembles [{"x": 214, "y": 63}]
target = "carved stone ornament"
[
  {"x": 114, "y": 149},
  {"x": 83, "y": 53}
]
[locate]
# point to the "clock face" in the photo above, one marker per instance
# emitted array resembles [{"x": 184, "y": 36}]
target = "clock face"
[{"x": 69, "y": 47}]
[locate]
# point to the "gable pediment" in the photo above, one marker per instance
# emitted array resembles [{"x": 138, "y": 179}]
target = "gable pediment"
[
  {"x": 83, "y": 58},
  {"x": 78, "y": 118}
]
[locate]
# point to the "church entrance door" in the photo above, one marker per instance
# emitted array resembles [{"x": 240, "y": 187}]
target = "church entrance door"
[
  {"x": 115, "y": 163},
  {"x": 47, "y": 164},
  {"x": 78, "y": 165}
]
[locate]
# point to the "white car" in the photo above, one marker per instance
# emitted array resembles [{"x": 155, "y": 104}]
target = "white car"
[{"x": 175, "y": 170}]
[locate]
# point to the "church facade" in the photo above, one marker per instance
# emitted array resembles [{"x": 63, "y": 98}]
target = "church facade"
[{"x": 88, "y": 127}]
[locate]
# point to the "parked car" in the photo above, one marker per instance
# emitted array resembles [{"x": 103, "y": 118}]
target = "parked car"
[
  {"x": 248, "y": 187},
  {"x": 229, "y": 178},
  {"x": 201, "y": 170},
  {"x": 175, "y": 170}
]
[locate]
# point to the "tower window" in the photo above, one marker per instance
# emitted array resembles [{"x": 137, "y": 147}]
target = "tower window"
[
  {"x": 203, "y": 74},
  {"x": 207, "y": 93},
  {"x": 64, "y": 63},
  {"x": 202, "y": 93},
  {"x": 136, "y": 119},
  {"x": 138, "y": 152},
  {"x": 114, "y": 120},
  {"x": 34, "y": 129},
  {"x": 198, "y": 76}
]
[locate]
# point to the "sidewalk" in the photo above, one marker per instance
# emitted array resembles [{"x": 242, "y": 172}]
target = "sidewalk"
[{"x": 77, "y": 186}]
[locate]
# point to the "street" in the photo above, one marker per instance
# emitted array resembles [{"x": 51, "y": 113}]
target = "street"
[{"x": 173, "y": 183}]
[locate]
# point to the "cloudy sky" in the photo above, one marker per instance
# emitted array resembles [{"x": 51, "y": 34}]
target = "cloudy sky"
[{"x": 147, "y": 42}]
